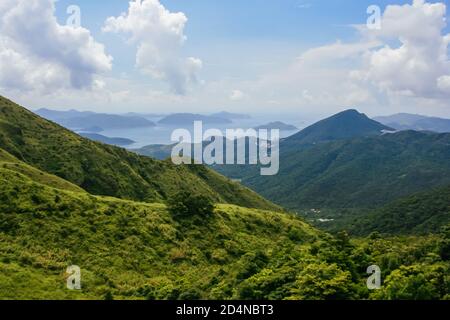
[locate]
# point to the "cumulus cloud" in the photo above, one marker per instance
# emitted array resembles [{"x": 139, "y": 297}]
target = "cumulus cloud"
[
  {"x": 405, "y": 63},
  {"x": 159, "y": 36},
  {"x": 419, "y": 65},
  {"x": 37, "y": 53}
]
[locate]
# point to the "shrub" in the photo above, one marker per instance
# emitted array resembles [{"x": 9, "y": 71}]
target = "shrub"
[{"x": 186, "y": 204}]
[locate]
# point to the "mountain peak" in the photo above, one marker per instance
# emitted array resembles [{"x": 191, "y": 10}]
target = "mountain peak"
[
  {"x": 343, "y": 125},
  {"x": 350, "y": 113}
]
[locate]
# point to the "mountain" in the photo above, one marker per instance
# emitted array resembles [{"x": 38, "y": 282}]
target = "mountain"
[
  {"x": 84, "y": 121},
  {"x": 130, "y": 250},
  {"x": 187, "y": 119},
  {"x": 231, "y": 116},
  {"x": 364, "y": 171},
  {"x": 145, "y": 115},
  {"x": 421, "y": 213},
  {"x": 157, "y": 151},
  {"x": 107, "y": 170},
  {"x": 277, "y": 125},
  {"x": 405, "y": 121},
  {"x": 344, "y": 125},
  {"x": 56, "y": 115},
  {"x": 107, "y": 140}
]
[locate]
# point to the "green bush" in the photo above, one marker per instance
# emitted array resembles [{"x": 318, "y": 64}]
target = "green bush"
[{"x": 186, "y": 204}]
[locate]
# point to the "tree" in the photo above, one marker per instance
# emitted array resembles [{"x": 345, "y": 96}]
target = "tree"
[
  {"x": 444, "y": 246},
  {"x": 186, "y": 204},
  {"x": 318, "y": 281},
  {"x": 415, "y": 282}
]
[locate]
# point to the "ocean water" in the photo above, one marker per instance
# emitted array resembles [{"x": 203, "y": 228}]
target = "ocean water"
[{"x": 162, "y": 134}]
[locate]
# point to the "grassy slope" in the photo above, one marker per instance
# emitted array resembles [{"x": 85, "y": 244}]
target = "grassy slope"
[
  {"x": 134, "y": 250},
  {"x": 7, "y": 161},
  {"x": 106, "y": 170}
]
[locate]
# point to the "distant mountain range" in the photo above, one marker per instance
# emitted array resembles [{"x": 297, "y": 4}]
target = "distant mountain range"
[
  {"x": 405, "y": 121},
  {"x": 187, "y": 119},
  {"x": 122, "y": 142},
  {"x": 87, "y": 121},
  {"x": 144, "y": 115},
  {"x": 277, "y": 125},
  {"x": 231, "y": 116}
]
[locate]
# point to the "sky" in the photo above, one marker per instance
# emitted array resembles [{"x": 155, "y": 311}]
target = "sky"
[{"x": 313, "y": 57}]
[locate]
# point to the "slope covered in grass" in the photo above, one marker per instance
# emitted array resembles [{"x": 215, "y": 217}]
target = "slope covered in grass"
[
  {"x": 106, "y": 170},
  {"x": 135, "y": 250},
  {"x": 131, "y": 250},
  {"x": 7, "y": 161}
]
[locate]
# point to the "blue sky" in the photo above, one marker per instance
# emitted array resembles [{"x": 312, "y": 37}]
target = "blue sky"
[
  {"x": 283, "y": 28},
  {"x": 247, "y": 55}
]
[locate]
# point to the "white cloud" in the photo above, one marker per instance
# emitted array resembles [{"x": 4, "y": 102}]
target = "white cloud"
[
  {"x": 403, "y": 65},
  {"x": 419, "y": 65},
  {"x": 159, "y": 35},
  {"x": 37, "y": 53}
]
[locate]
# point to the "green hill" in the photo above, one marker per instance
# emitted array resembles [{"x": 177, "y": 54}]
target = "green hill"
[
  {"x": 107, "y": 170},
  {"x": 132, "y": 250},
  {"x": 11, "y": 163},
  {"x": 421, "y": 213},
  {"x": 135, "y": 250},
  {"x": 362, "y": 172}
]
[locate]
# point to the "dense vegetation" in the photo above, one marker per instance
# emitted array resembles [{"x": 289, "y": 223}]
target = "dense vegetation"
[
  {"x": 339, "y": 174},
  {"x": 364, "y": 172},
  {"x": 130, "y": 250},
  {"x": 419, "y": 214},
  {"x": 186, "y": 205},
  {"x": 106, "y": 170}
]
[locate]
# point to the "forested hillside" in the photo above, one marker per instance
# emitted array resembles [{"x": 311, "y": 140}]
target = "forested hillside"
[{"x": 107, "y": 170}]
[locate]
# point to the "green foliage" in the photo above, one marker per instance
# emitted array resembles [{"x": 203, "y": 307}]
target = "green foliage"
[
  {"x": 444, "y": 247},
  {"x": 416, "y": 282},
  {"x": 323, "y": 281},
  {"x": 131, "y": 250},
  {"x": 185, "y": 204},
  {"x": 421, "y": 213},
  {"x": 363, "y": 172}
]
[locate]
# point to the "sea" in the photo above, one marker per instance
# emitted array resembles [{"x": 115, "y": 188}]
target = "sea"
[{"x": 161, "y": 135}]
